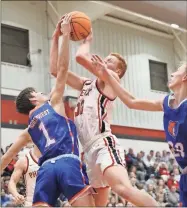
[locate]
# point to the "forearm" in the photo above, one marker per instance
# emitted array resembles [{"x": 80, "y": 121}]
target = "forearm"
[
  {"x": 84, "y": 49},
  {"x": 21, "y": 141},
  {"x": 63, "y": 61},
  {"x": 12, "y": 188},
  {"x": 134, "y": 103},
  {"x": 6, "y": 159},
  {"x": 54, "y": 56},
  {"x": 123, "y": 94},
  {"x": 75, "y": 81}
]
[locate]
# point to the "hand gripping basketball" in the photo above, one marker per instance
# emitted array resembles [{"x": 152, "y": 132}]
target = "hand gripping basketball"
[{"x": 65, "y": 25}]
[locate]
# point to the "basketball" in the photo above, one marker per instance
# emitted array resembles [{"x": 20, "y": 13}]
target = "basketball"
[{"x": 80, "y": 26}]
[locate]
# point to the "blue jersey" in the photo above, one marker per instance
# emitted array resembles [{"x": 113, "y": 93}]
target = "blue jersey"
[
  {"x": 175, "y": 125},
  {"x": 52, "y": 133}
]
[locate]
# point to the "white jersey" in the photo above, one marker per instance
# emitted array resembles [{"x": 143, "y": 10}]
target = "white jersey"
[
  {"x": 93, "y": 113},
  {"x": 30, "y": 178}
]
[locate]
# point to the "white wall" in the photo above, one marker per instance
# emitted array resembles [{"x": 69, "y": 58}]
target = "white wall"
[{"x": 32, "y": 17}]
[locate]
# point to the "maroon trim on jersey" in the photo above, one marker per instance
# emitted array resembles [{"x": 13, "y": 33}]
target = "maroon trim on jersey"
[
  {"x": 89, "y": 82},
  {"x": 100, "y": 91},
  {"x": 32, "y": 156},
  {"x": 27, "y": 165},
  {"x": 99, "y": 114}
]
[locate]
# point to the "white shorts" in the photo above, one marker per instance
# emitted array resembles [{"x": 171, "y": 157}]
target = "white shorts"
[{"x": 103, "y": 153}]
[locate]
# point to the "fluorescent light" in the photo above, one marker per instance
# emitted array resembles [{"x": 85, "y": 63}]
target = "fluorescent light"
[{"x": 174, "y": 26}]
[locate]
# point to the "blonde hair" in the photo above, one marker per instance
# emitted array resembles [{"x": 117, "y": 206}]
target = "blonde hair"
[{"x": 122, "y": 64}]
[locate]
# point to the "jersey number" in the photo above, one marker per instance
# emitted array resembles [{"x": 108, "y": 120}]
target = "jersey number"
[
  {"x": 177, "y": 149},
  {"x": 49, "y": 141},
  {"x": 80, "y": 107}
]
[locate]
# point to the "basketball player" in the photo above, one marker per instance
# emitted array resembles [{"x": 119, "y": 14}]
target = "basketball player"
[
  {"x": 102, "y": 152},
  {"x": 55, "y": 136},
  {"x": 27, "y": 167},
  {"x": 175, "y": 113}
]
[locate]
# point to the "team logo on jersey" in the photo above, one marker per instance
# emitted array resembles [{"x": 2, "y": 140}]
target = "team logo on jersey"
[{"x": 173, "y": 128}]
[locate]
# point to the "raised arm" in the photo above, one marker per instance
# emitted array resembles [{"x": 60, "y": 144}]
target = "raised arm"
[
  {"x": 19, "y": 169},
  {"x": 62, "y": 63},
  {"x": 83, "y": 56},
  {"x": 54, "y": 50},
  {"x": 73, "y": 80},
  {"x": 21, "y": 142},
  {"x": 128, "y": 99}
]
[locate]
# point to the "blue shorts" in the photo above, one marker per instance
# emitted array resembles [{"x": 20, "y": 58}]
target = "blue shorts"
[
  {"x": 183, "y": 190},
  {"x": 60, "y": 176}
]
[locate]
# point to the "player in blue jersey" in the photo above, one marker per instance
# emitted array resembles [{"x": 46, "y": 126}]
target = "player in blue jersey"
[
  {"x": 175, "y": 113},
  {"x": 55, "y": 135}
]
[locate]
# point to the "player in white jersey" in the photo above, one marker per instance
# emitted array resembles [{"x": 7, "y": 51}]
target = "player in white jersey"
[
  {"x": 27, "y": 167},
  {"x": 102, "y": 152}
]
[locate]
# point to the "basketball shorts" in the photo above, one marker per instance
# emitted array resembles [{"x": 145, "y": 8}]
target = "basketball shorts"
[
  {"x": 61, "y": 175},
  {"x": 183, "y": 190},
  {"x": 102, "y": 154}
]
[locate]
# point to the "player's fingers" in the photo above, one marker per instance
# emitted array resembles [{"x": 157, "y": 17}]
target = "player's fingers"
[
  {"x": 99, "y": 58},
  {"x": 69, "y": 18},
  {"x": 94, "y": 59},
  {"x": 61, "y": 20},
  {"x": 21, "y": 197},
  {"x": 63, "y": 17},
  {"x": 16, "y": 200},
  {"x": 94, "y": 63}
]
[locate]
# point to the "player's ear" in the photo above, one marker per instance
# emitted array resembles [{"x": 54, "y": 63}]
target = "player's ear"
[
  {"x": 184, "y": 79},
  {"x": 33, "y": 100},
  {"x": 118, "y": 71}
]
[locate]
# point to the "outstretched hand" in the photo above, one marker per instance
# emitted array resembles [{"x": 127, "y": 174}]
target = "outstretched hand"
[
  {"x": 100, "y": 67},
  {"x": 57, "y": 31},
  {"x": 65, "y": 25}
]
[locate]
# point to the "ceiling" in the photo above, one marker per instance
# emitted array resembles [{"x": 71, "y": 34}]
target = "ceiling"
[
  {"x": 172, "y": 12},
  {"x": 154, "y": 15}
]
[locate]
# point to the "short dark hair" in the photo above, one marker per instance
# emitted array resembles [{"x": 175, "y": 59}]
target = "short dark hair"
[{"x": 23, "y": 104}]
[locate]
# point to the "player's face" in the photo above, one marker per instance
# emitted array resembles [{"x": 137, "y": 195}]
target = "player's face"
[
  {"x": 39, "y": 97},
  {"x": 111, "y": 62},
  {"x": 178, "y": 78}
]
